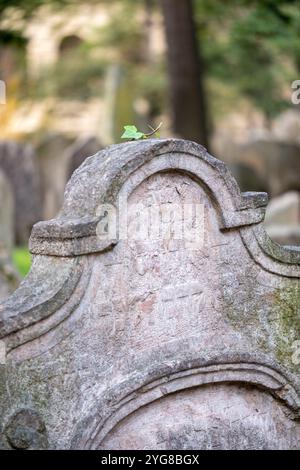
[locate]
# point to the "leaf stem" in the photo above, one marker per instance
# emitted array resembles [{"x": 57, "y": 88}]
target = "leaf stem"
[{"x": 153, "y": 131}]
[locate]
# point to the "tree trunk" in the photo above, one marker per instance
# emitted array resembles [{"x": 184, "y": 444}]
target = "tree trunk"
[
  {"x": 185, "y": 71},
  {"x": 148, "y": 25}
]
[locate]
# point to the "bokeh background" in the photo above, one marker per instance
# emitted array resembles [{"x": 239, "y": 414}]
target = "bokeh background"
[{"x": 214, "y": 71}]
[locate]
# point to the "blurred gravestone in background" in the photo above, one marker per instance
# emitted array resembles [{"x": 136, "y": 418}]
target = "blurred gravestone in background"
[
  {"x": 276, "y": 165},
  {"x": 282, "y": 220},
  {"x": 247, "y": 177},
  {"x": 79, "y": 151},
  {"x": 286, "y": 126},
  {"x": 52, "y": 170},
  {"x": 157, "y": 314},
  {"x": 9, "y": 278},
  {"x": 58, "y": 157},
  {"x": 7, "y": 208},
  {"x": 119, "y": 99},
  {"x": 18, "y": 163}
]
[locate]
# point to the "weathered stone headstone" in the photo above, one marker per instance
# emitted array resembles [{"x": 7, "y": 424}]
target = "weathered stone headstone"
[
  {"x": 158, "y": 313},
  {"x": 18, "y": 163}
]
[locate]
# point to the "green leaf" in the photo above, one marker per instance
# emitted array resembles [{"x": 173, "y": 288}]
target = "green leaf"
[{"x": 131, "y": 132}]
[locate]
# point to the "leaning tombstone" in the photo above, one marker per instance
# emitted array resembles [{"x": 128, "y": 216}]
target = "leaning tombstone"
[
  {"x": 9, "y": 278},
  {"x": 276, "y": 164},
  {"x": 18, "y": 163},
  {"x": 52, "y": 169},
  {"x": 248, "y": 178},
  {"x": 77, "y": 152},
  {"x": 158, "y": 314},
  {"x": 6, "y": 213}
]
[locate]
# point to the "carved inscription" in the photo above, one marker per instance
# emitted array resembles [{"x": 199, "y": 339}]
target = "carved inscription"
[{"x": 160, "y": 288}]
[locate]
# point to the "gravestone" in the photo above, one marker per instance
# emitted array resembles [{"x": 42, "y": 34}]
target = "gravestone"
[
  {"x": 52, "y": 171},
  {"x": 157, "y": 314},
  {"x": 18, "y": 163},
  {"x": 247, "y": 177},
  {"x": 9, "y": 278},
  {"x": 274, "y": 165},
  {"x": 282, "y": 219},
  {"x": 77, "y": 152},
  {"x": 284, "y": 209},
  {"x": 286, "y": 126},
  {"x": 6, "y": 213},
  {"x": 58, "y": 158}
]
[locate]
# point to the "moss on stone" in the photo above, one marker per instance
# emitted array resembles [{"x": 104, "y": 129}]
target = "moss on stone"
[{"x": 287, "y": 327}]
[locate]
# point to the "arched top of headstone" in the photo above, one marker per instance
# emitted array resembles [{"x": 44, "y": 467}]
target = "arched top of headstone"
[
  {"x": 123, "y": 167},
  {"x": 102, "y": 176}
]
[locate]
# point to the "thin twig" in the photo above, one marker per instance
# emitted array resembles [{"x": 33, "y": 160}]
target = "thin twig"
[{"x": 153, "y": 130}]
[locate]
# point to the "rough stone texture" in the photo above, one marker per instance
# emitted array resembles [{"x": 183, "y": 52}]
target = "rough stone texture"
[
  {"x": 237, "y": 417},
  {"x": 118, "y": 341},
  {"x": 18, "y": 163},
  {"x": 282, "y": 220},
  {"x": 26, "y": 430}
]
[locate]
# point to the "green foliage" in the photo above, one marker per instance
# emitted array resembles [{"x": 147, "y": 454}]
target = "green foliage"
[
  {"x": 132, "y": 133},
  {"x": 26, "y": 6},
  {"x": 13, "y": 38},
  {"x": 123, "y": 33},
  {"x": 22, "y": 260},
  {"x": 151, "y": 83},
  {"x": 125, "y": 36},
  {"x": 251, "y": 46},
  {"x": 69, "y": 79},
  {"x": 251, "y": 51}
]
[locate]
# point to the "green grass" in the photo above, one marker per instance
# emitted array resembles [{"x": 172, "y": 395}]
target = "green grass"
[{"x": 22, "y": 260}]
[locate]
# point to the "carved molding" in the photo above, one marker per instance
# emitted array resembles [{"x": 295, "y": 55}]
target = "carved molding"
[
  {"x": 119, "y": 407},
  {"x": 24, "y": 317}
]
